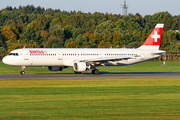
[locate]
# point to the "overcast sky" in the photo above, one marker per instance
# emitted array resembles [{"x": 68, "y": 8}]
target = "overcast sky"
[{"x": 143, "y": 7}]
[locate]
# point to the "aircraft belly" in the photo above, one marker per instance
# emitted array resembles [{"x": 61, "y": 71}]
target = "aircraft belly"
[
  {"x": 45, "y": 62},
  {"x": 40, "y": 61}
]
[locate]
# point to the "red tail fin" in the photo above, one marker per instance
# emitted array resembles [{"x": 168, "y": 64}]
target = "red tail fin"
[{"x": 154, "y": 39}]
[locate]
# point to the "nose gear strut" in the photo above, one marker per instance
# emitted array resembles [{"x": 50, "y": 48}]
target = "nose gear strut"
[{"x": 22, "y": 72}]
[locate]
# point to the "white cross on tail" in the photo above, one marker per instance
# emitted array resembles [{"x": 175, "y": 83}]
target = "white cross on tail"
[{"x": 155, "y": 36}]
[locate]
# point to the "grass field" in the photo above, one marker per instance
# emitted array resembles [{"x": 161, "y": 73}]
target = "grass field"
[
  {"x": 148, "y": 66},
  {"x": 90, "y": 99}
]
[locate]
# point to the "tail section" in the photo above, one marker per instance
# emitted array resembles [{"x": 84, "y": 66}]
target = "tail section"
[{"x": 154, "y": 39}]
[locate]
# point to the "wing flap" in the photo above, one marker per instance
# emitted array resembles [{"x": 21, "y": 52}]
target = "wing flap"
[{"x": 106, "y": 59}]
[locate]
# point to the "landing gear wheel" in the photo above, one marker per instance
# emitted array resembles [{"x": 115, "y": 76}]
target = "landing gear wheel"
[
  {"x": 77, "y": 72},
  {"x": 95, "y": 71},
  {"x": 92, "y": 71},
  {"x": 22, "y": 72}
]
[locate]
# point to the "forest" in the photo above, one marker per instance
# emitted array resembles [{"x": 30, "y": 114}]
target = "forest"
[{"x": 36, "y": 27}]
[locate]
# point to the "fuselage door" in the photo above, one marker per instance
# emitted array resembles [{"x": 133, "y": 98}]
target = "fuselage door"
[
  {"x": 59, "y": 55},
  {"x": 26, "y": 54},
  {"x": 142, "y": 55}
]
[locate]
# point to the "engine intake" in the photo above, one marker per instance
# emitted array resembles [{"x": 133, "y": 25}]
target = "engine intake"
[{"x": 82, "y": 66}]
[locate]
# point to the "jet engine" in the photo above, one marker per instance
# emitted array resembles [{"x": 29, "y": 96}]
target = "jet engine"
[
  {"x": 56, "y": 68},
  {"x": 81, "y": 66}
]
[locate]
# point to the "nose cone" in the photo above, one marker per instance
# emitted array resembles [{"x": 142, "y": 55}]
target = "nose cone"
[{"x": 5, "y": 60}]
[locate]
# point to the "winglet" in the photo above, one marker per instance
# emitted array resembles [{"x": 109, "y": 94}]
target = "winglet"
[{"x": 154, "y": 39}]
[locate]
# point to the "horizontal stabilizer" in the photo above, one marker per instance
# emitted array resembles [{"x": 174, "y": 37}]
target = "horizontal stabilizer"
[{"x": 159, "y": 52}]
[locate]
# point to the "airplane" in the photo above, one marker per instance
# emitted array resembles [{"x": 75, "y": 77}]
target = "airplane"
[{"x": 84, "y": 59}]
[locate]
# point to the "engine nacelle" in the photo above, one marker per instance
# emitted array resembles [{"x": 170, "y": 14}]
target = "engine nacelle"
[
  {"x": 82, "y": 66},
  {"x": 56, "y": 68}
]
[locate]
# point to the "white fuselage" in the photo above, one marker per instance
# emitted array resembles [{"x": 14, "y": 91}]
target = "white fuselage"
[{"x": 67, "y": 57}]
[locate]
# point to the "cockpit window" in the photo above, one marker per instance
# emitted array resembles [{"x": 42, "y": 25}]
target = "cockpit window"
[{"x": 13, "y": 54}]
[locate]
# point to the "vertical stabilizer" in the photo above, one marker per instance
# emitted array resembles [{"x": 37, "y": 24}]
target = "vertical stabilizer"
[{"x": 154, "y": 39}]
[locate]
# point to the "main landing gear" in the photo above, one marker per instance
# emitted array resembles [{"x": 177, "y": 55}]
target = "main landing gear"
[
  {"x": 95, "y": 71},
  {"x": 22, "y": 72},
  {"x": 77, "y": 72}
]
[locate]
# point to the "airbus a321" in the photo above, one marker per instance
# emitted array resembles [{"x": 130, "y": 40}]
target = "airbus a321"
[{"x": 84, "y": 59}]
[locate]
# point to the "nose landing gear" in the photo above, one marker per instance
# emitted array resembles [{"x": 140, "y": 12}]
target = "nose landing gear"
[{"x": 22, "y": 72}]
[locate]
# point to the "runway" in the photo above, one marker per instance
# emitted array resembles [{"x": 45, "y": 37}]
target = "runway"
[{"x": 4, "y": 76}]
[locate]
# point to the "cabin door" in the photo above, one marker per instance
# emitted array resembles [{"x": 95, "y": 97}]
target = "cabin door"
[
  {"x": 26, "y": 54},
  {"x": 142, "y": 55},
  {"x": 59, "y": 55}
]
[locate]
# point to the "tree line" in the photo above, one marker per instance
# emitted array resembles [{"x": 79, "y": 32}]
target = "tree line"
[{"x": 36, "y": 27}]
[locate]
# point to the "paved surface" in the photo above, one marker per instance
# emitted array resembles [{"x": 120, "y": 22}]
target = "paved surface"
[{"x": 88, "y": 75}]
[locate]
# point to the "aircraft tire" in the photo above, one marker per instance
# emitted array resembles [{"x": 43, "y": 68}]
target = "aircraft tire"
[
  {"x": 77, "y": 72},
  {"x": 22, "y": 72},
  {"x": 95, "y": 71},
  {"x": 92, "y": 71}
]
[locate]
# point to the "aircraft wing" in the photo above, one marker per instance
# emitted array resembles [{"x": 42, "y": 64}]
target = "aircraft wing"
[{"x": 106, "y": 59}]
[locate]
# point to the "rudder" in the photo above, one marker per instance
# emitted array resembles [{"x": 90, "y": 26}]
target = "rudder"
[{"x": 154, "y": 39}]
